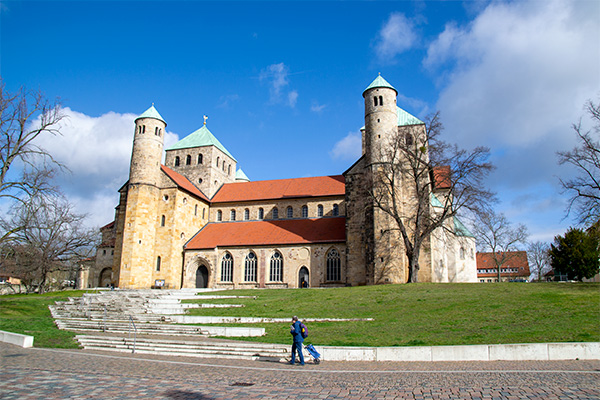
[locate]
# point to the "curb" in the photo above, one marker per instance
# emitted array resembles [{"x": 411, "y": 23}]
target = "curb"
[{"x": 16, "y": 338}]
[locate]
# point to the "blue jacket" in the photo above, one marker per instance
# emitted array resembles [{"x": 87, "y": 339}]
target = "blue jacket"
[{"x": 296, "y": 332}]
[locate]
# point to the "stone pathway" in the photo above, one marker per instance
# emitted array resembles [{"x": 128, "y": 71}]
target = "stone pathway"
[{"x": 77, "y": 374}]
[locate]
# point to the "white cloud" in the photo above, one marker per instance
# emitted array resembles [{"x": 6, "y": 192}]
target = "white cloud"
[
  {"x": 97, "y": 151},
  {"x": 348, "y": 148},
  {"x": 395, "y": 37},
  {"x": 276, "y": 76},
  {"x": 318, "y": 108},
  {"x": 293, "y": 98},
  {"x": 515, "y": 79}
]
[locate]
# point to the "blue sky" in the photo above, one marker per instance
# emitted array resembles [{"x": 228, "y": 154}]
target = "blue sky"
[{"x": 282, "y": 82}]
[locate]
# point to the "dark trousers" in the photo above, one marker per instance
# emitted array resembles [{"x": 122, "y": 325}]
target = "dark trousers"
[{"x": 297, "y": 346}]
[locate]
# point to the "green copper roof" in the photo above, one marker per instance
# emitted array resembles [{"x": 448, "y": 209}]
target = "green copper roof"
[
  {"x": 378, "y": 83},
  {"x": 151, "y": 113},
  {"x": 405, "y": 118},
  {"x": 200, "y": 138},
  {"x": 460, "y": 229},
  {"x": 241, "y": 176},
  {"x": 435, "y": 202}
]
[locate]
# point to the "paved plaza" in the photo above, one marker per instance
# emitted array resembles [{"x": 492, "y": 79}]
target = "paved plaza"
[{"x": 76, "y": 374}]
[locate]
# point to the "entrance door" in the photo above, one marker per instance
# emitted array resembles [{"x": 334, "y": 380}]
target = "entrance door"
[
  {"x": 303, "y": 277},
  {"x": 202, "y": 277},
  {"x": 105, "y": 277}
]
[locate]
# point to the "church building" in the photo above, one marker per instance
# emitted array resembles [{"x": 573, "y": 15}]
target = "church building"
[{"x": 198, "y": 221}]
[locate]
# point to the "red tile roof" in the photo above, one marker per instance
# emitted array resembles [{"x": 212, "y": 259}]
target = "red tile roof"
[
  {"x": 274, "y": 232},
  {"x": 515, "y": 259},
  {"x": 441, "y": 176},
  {"x": 320, "y": 186},
  {"x": 183, "y": 182}
]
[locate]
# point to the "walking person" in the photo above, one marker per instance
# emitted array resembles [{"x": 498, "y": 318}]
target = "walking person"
[{"x": 296, "y": 332}]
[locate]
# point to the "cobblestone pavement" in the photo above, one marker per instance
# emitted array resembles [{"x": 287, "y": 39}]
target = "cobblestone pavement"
[{"x": 77, "y": 374}]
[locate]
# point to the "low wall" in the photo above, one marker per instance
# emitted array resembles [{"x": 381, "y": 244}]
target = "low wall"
[
  {"x": 493, "y": 352},
  {"x": 16, "y": 338}
]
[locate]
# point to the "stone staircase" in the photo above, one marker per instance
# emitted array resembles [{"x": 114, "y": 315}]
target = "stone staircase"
[
  {"x": 190, "y": 348},
  {"x": 143, "y": 320}
]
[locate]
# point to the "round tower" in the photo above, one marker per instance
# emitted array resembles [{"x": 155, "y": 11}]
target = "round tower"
[
  {"x": 381, "y": 119},
  {"x": 147, "y": 150}
]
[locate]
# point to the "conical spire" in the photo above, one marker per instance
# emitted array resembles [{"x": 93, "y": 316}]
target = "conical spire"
[
  {"x": 151, "y": 113},
  {"x": 379, "y": 82}
]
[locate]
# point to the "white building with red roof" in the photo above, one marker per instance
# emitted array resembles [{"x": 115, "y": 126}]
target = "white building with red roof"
[{"x": 198, "y": 221}]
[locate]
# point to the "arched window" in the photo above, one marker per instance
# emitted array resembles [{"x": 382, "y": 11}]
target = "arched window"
[
  {"x": 199, "y": 158},
  {"x": 195, "y": 209},
  {"x": 158, "y": 263},
  {"x": 229, "y": 170},
  {"x": 333, "y": 266},
  {"x": 246, "y": 214},
  {"x": 320, "y": 210},
  {"x": 408, "y": 138},
  {"x": 276, "y": 270},
  {"x": 375, "y": 101},
  {"x": 162, "y": 220},
  {"x": 156, "y": 131},
  {"x": 336, "y": 210},
  {"x": 250, "y": 268},
  {"x": 290, "y": 212},
  {"x": 203, "y": 210},
  {"x": 188, "y": 160},
  {"x": 304, "y": 211},
  {"x": 143, "y": 128},
  {"x": 218, "y": 162},
  {"x": 227, "y": 268},
  {"x": 219, "y": 215},
  {"x": 232, "y": 215},
  {"x": 177, "y": 161},
  {"x": 261, "y": 213},
  {"x": 380, "y": 100},
  {"x": 159, "y": 131},
  {"x": 462, "y": 253},
  {"x": 275, "y": 213}
]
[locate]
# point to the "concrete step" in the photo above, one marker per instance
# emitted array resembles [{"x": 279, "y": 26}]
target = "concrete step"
[{"x": 188, "y": 348}]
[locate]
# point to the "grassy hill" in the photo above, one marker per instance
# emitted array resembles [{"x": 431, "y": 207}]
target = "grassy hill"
[{"x": 404, "y": 315}]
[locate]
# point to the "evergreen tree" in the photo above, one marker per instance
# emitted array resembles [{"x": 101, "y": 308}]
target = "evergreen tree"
[{"x": 576, "y": 255}]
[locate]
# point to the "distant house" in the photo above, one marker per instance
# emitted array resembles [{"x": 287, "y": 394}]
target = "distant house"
[
  {"x": 514, "y": 268},
  {"x": 10, "y": 279}
]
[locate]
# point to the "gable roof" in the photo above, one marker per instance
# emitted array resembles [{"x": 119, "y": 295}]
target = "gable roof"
[
  {"x": 273, "y": 232},
  {"x": 320, "y": 186},
  {"x": 515, "y": 259},
  {"x": 406, "y": 119},
  {"x": 200, "y": 138},
  {"x": 183, "y": 182}
]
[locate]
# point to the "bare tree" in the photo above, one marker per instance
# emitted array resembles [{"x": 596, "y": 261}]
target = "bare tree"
[
  {"x": 538, "y": 254},
  {"x": 584, "y": 189},
  {"x": 415, "y": 163},
  {"x": 495, "y": 233},
  {"x": 51, "y": 239}
]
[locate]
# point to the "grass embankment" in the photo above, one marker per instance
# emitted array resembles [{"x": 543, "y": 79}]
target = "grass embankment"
[
  {"x": 28, "y": 314},
  {"x": 404, "y": 315},
  {"x": 429, "y": 314}
]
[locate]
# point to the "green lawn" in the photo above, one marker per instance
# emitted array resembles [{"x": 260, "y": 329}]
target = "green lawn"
[
  {"x": 404, "y": 315},
  {"x": 29, "y": 314},
  {"x": 430, "y": 314}
]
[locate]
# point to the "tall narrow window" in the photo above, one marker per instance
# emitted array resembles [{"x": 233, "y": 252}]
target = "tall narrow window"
[
  {"x": 336, "y": 210},
  {"x": 232, "y": 215},
  {"x": 320, "y": 210},
  {"x": 261, "y": 213},
  {"x": 246, "y": 214},
  {"x": 375, "y": 101},
  {"x": 304, "y": 212},
  {"x": 162, "y": 221},
  {"x": 380, "y": 100},
  {"x": 218, "y": 162},
  {"x": 176, "y": 161},
  {"x": 276, "y": 269},
  {"x": 219, "y": 215},
  {"x": 199, "y": 158},
  {"x": 203, "y": 214},
  {"x": 196, "y": 210},
  {"x": 229, "y": 170},
  {"x": 290, "y": 212},
  {"x": 250, "y": 268},
  {"x": 188, "y": 160},
  {"x": 333, "y": 266},
  {"x": 158, "y": 263},
  {"x": 227, "y": 268},
  {"x": 143, "y": 128},
  {"x": 156, "y": 131},
  {"x": 275, "y": 213}
]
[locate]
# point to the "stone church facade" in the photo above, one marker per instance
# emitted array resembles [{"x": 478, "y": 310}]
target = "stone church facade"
[{"x": 198, "y": 221}]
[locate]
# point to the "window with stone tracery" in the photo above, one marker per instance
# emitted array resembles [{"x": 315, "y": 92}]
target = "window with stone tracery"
[
  {"x": 227, "y": 268},
  {"x": 276, "y": 270},
  {"x": 334, "y": 272},
  {"x": 250, "y": 268}
]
